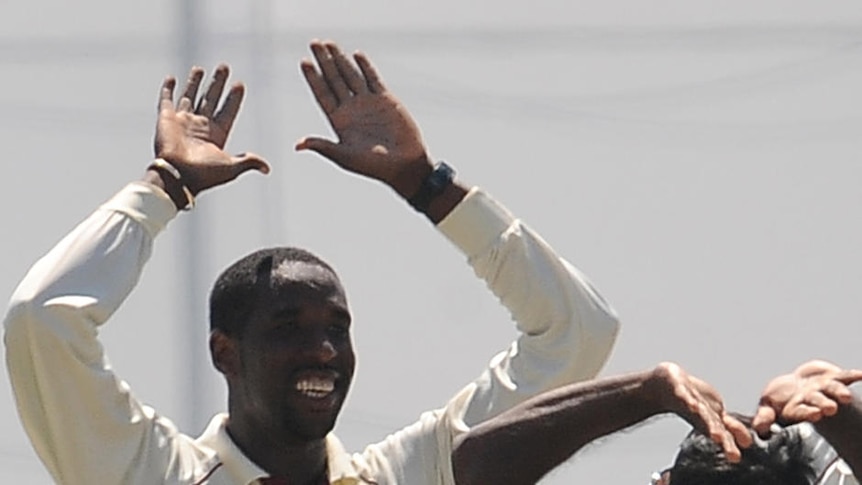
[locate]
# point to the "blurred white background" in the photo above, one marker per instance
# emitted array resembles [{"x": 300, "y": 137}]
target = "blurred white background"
[{"x": 700, "y": 161}]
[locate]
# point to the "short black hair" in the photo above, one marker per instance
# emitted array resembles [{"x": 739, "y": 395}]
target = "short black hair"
[
  {"x": 238, "y": 287},
  {"x": 779, "y": 460}
]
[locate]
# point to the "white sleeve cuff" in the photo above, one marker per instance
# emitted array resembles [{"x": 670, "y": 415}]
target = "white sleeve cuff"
[
  {"x": 145, "y": 203},
  {"x": 476, "y": 222}
]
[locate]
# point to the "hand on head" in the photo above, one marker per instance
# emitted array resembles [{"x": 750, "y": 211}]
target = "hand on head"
[
  {"x": 701, "y": 405},
  {"x": 813, "y": 391}
]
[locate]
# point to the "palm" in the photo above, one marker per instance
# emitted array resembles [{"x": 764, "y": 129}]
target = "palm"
[
  {"x": 378, "y": 132},
  {"x": 192, "y": 134},
  {"x": 377, "y": 137},
  {"x": 189, "y": 136}
]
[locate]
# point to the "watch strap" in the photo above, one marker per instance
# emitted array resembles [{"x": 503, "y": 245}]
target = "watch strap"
[{"x": 434, "y": 184}]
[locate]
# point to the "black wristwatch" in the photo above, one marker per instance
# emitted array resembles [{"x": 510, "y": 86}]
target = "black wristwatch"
[{"x": 433, "y": 185}]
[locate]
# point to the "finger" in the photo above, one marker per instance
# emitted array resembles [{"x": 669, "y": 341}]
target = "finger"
[
  {"x": 849, "y": 376},
  {"x": 731, "y": 451},
  {"x": 816, "y": 367},
  {"x": 348, "y": 71},
  {"x": 838, "y": 391},
  {"x": 324, "y": 96},
  {"x": 330, "y": 71},
  {"x": 228, "y": 112},
  {"x": 763, "y": 419},
  {"x": 166, "y": 94},
  {"x": 372, "y": 79},
  {"x": 327, "y": 148},
  {"x": 740, "y": 432},
  {"x": 209, "y": 101},
  {"x": 720, "y": 434},
  {"x": 826, "y": 405},
  {"x": 191, "y": 90},
  {"x": 801, "y": 412},
  {"x": 249, "y": 161}
]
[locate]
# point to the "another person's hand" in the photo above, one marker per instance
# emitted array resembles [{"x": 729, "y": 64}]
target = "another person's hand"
[
  {"x": 377, "y": 137},
  {"x": 701, "y": 405},
  {"x": 192, "y": 133},
  {"x": 813, "y": 391}
]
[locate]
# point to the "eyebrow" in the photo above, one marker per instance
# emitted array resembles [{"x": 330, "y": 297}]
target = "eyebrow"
[{"x": 292, "y": 311}]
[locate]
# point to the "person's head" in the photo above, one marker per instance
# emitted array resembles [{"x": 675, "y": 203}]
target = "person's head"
[
  {"x": 779, "y": 460},
  {"x": 280, "y": 333}
]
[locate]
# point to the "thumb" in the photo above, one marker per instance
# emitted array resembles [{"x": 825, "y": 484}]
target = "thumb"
[
  {"x": 249, "y": 161},
  {"x": 327, "y": 148},
  {"x": 764, "y": 418}
]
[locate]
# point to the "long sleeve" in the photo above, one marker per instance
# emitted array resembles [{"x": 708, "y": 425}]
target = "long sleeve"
[
  {"x": 82, "y": 419},
  {"x": 566, "y": 334},
  {"x": 566, "y": 329}
]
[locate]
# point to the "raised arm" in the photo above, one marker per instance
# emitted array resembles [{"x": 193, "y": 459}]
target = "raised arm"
[
  {"x": 818, "y": 392},
  {"x": 567, "y": 328},
  {"x": 377, "y": 137},
  {"x": 81, "y": 418},
  {"x": 526, "y": 442}
]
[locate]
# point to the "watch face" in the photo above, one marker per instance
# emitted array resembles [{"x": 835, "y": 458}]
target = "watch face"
[
  {"x": 441, "y": 177},
  {"x": 432, "y": 186}
]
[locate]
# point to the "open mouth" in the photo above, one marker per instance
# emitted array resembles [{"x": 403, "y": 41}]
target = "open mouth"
[{"x": 316, "y": 387}]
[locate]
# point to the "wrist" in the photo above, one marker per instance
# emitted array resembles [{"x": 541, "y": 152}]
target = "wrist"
[
  {"x": 166, "y": 177},
  {"x": 659, "y": 396},
  {"x": 440, "y": 178},
  {"x": 408, "y": 182},
  {"x": 437, "y": 193}
]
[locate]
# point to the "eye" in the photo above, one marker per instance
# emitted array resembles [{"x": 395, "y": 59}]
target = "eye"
[
  {"x": 339, "y": 331},
  {"x": 285, "y": 327}
]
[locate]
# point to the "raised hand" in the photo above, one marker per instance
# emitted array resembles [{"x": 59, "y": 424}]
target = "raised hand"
[
  {"x": 700, "y": 404},
  {"x": 377, "y": 137},
  {"x": 813, "y": 391},
  {"x": 192, "y": 133}
]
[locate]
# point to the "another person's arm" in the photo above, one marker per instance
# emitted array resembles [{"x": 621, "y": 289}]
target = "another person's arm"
[
  {"x": 524, "y": 443},
  {"x": 83, "y": 421},
  {"x": 818, "y": 392}
]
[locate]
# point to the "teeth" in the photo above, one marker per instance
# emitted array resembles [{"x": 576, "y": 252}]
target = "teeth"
[{"x": 316, "y": 388}]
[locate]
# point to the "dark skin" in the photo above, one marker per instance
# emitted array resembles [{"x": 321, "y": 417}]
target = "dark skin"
[
  {"x": 524, "y": 443},
  {"x": 300, "y": 331},
  {"x": 377, "y": 137},
  {"x": 192, "y": 135},
  {"x": 278, "y": 426}
]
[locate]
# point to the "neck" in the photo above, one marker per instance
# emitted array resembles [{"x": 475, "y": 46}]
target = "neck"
[{"x": 300, "y": 461}]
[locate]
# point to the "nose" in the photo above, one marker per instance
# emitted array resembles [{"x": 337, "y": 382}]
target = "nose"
[
  {"x": 326, "y": 350},
  {"x": 322, "y": 349}
]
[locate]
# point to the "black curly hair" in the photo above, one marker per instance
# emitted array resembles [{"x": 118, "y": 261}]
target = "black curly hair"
[
  {"x": 779, "y": 460},
  {"x": 237, "y": 288}
]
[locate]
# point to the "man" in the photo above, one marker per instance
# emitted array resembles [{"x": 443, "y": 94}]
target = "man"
[
  {"x": 526, "y": 442},
  {"x": 280, "y": 319}
]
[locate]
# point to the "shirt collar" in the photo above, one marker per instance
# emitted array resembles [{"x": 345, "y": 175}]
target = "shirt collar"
[{"x": 342, "y": 471}]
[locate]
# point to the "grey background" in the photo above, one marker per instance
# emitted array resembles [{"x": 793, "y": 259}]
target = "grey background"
[{"x": 699, "y": 160}]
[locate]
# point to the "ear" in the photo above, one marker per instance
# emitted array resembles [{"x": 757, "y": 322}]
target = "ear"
[{"x": 224, "y": 351}]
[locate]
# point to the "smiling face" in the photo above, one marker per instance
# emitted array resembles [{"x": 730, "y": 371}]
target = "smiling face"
[{"x": 295, "y": 358}]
